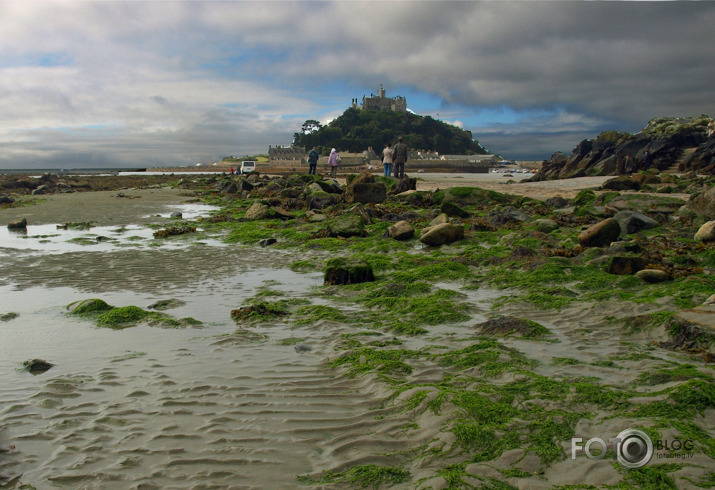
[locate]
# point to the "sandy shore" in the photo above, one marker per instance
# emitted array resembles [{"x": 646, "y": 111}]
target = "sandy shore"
[{"x": 227, "y": 404}]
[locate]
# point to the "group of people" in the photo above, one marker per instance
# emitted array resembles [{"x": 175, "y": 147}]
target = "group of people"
[
  {"x": 628, "y": 165},
  {"x": 391, "y": 158}
]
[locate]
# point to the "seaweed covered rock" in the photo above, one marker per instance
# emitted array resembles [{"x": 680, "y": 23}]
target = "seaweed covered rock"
[
  {"x": 37, "y": 366},
  {"x": 473, "y": 195},
  {"x": 347, "y": 225},
  {"x": 343, "y": 270}
]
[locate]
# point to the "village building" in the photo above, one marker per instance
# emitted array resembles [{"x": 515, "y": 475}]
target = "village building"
[{"x": 285, "y": 153}]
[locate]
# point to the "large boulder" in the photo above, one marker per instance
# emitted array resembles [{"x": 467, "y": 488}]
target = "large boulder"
[
  {"x": 633, "y": 221},
  {"x": 441, "y": 234},
  {"x": 706, "y": 233},
  {"x": 343, "y": 270},
  {"x": 600, "y": 234},
  {"x": 401, "y": 230},
  {"x": 347, "y": 225}
]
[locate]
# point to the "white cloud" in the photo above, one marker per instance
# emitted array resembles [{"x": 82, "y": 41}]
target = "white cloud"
[{"x": 133, "y": 80}]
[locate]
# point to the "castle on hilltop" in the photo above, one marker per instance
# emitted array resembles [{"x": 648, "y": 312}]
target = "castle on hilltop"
[{"x": 381, "y": 103}]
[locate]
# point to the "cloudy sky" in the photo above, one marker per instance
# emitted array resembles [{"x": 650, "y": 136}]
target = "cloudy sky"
[{"x": 89, "y": 84}]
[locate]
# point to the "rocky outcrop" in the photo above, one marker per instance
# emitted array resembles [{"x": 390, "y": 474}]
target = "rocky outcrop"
[{"x": 666, "y": 139}]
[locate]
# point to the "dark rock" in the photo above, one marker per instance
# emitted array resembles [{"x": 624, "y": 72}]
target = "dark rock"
[
  {"x": 176, "y": 214},
  {"x": 404, "y": 185},
  {"x": 451, "y": 209},
  {"x": 265, "y": 242},
  {"x": 347, "y": 271},
  {"x": 633, "y": 221},
  {"x": 322, "y": 200},
  {"x": 229, "y": 188},
  {"x": 290, "y": 192},
  {"x": 621, "y": 184},
  {"x": 366, "y": 192},
  {"x": 6, "y": 317},
  {"x": 37, "y": 366},
  {"x": 557, "y": 202},
  {"x": 20, "y": 224},
  {"x": 4, "y": 199},
  {"x": 300, "y": 348},
  {"x": 600, "y": 234},
  {"x": 623, "y": 265}
]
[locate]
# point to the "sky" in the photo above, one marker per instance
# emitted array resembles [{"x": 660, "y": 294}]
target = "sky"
[{"x": 143, "y": 84}]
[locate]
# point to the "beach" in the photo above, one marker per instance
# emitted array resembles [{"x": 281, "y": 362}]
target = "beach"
[{"x": 262, "y": 376}]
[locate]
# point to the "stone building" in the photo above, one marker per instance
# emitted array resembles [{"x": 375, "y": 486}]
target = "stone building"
[
  {"x": 285, "y": 153},
  {"x": 380, "y": 102}
]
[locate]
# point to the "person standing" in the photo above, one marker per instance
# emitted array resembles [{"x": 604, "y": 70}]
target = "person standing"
[
  {"x": 333, "y": 161},
  {"x": 400, "y": 158},
  {"x": 387, "y": 155},
  {"x": 628, "y": 167},
  {"x": 647, "y": 160},
  {"x": 313, "y": 161}
]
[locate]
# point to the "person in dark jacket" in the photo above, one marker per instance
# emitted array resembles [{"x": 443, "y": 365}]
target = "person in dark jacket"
[
  {"x": 399, "y": 157},
  {"x": 313, "y": 161}
]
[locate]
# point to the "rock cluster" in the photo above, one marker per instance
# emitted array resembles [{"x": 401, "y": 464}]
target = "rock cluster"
[{"x": 672, "y": 142}]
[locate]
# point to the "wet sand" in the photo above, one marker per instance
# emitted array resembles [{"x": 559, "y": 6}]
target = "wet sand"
[{"x": 233, "y": 407}]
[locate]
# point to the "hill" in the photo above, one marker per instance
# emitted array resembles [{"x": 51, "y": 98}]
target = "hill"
[{"x": 356, "y": 130}]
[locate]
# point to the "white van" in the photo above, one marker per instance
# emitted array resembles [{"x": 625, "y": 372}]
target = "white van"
[{"x": 247, "y": 166}]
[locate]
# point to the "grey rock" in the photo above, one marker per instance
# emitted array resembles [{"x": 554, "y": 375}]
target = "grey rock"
[{"x": 634, "y": 221}]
